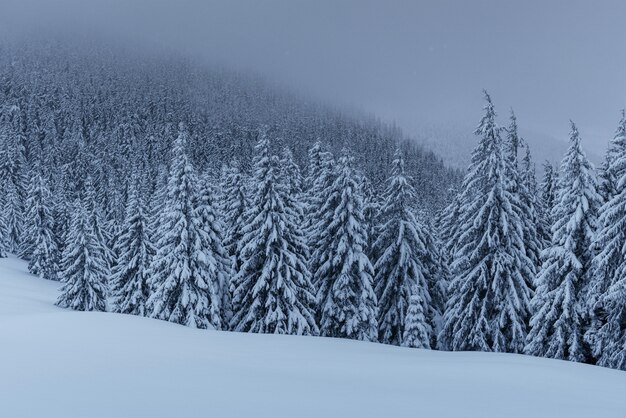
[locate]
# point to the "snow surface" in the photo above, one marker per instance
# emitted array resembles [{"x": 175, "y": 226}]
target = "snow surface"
[{"x": 60, "y": 363}]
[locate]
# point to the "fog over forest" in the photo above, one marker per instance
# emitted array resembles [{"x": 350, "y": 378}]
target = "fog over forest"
[{"x": 419, "y": 63}]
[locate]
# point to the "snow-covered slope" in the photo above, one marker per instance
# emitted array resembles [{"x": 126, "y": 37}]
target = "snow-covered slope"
[{"x": 58, "y": 363}]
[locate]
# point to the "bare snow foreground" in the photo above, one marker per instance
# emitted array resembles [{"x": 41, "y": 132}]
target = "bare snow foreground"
[{"x": 58, "y": 363}]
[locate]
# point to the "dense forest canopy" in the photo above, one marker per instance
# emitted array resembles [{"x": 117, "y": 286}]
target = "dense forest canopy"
[{"x": 81, "y": 109}]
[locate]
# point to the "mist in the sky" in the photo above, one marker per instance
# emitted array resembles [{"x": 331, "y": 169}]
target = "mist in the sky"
[{"x": 414, "y": 62}]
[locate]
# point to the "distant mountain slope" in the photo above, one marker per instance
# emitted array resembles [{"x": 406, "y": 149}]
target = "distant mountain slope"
[
  {"x": 62, "y": 363},
  {"x": 95, "y": 107}
]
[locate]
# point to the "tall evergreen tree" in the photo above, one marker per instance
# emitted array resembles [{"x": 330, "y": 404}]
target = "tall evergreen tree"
[
  {"x": 234, "y": 206},
  {"x": 12, "y": 176},
  {"x": 272, "y": 289},
  {"x": 83, "y": 266},
  {"x": 129, "y": 277},
  {"x": 210, "y": 223},
  {"x": 346, "y": 298},
  {"x": 606, "y": 294},
  {"x": 488, "y": 305},
  {"x": 319, "y": 183},
  {"x": 183, "y": 290},
  {"x": 518, "y": 181},
  {"x": 557, "y": 324},
  {"x": 399, "y": 248},
  {"x": 549, "y": 190},
  {"x": 40, "y": 247}
]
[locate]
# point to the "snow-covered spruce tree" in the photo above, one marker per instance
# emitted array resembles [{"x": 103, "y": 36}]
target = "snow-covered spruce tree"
[
  {"x": 98, "y": 222},
  {"x": 605, "y": 296},
  {"x": 183, "y": 290},
  {"x": 234, "y": 205},
  {"x": 83, "y": 265},
  {"x": 371, "y": 211},
  {"x": 346, "y": 299},
  {"x": 522, "y": 198},
  {"x": 488, "y": 304},
  {"x": 399, "y": 249},
  {"x": 607, "y": 177},
  {"x": 549, "y": 190},
  {"x": 272, "y": 289},
  {"x": 41, "y": 250},
  {"x": 13, "y": 181},
  {"x": 557, "y": 324},
  {"x": 319, "y": 183},
  {"x": 291, "y": 174},
  {"x": 416, "y": 331},
  {"x": 539, "y": 235},
  {"x": 210, "y": 223},
  {"x": 134, "y": 252}
]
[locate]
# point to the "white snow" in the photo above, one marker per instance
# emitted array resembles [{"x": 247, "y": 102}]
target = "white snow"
[{"x": 60, "y": 363}]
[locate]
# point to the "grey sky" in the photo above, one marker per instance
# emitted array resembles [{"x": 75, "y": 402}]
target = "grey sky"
[{"x": 416, "y": 62}]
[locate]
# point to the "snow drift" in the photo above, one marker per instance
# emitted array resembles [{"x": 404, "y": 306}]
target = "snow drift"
[{"x": 60, "y": 363}]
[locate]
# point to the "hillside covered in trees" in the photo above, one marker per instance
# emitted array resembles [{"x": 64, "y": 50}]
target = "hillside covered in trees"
[{"x": 207, "y": 199}]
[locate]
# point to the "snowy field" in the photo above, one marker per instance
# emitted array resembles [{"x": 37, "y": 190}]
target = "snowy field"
[{"x": 58, "y": 363}]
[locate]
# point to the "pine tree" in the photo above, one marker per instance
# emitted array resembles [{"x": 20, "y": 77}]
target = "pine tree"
[
  {"x": 346, "y": 299},
  {"x": 605, "y": 296},
  {"x": 319, "y": 183},
  {"x": 416, "y": 331},
  {"x": 549, "y": 189},
  {"x": 518, "y": 182},
  {"x": 97, "y": 220},
  {"x": 234, "y": 206},
  {"x": 40, "y": 247},
  {"x": 272, "y": 289},
  {"x": 130, "y": 275},
  {"x": 557, "y": 323},
  {"x": 183, "y": 290},
  {"x": 12, "y": 176},
  {"x": 399, "y": 248},
  {"x": 538, "y": 230},
  {"x": 210, "y": 224},
  {"x": 83, "y": 266},
  {"x": 488, "y": 305}
]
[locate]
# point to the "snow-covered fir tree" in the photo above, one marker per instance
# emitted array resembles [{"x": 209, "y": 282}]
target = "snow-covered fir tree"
[
  {"x": 605, "y": 297},
  {"x": 129, "y": 277},
  {"x": 549, "y": 189},
  {"x": 13, "y": 181},
  {"x": 183, "y": 290},
  {"x": 416, "y": 332},
  {"x": 84, "y": 268},
  {"x": 607, "y": 177},
  {"x": 272, "y": 289},
  {"x": 346, "y": 299},
  {"x": 400, "y": 248},
  {"x": 488, "y": 305},
  {"x": 210, "y": 224},
  {"x": 319, "y": 182},
  {"x": 557, "y": 324},
  {"x": 234, "y": 206},
  {"x": 98, "y": 221},
  {"x": 40, "y": 243},
  {"x": 522, "y": 198}
]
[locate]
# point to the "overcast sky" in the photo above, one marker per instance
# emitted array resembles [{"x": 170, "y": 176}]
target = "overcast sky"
[{"x": 415, "y": 62}]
